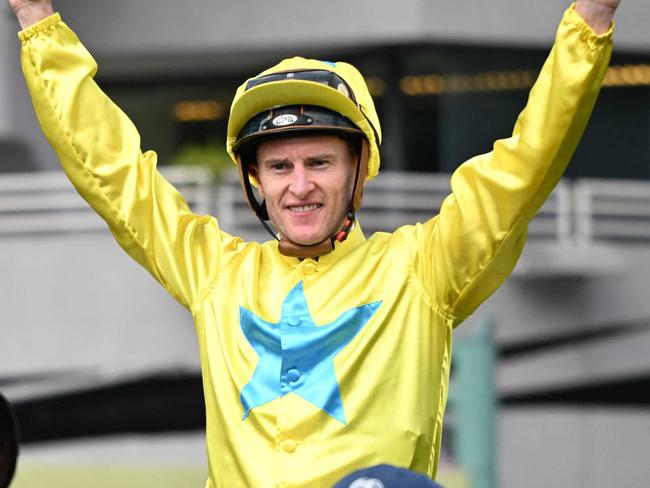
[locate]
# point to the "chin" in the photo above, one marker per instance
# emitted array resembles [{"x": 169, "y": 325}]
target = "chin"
[
  {"x": 308, "y": 242},
  {"x": 306, "y": 239}
]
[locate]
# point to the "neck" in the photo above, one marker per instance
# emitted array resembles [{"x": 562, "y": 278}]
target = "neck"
[{"x": 293, "y": 249}]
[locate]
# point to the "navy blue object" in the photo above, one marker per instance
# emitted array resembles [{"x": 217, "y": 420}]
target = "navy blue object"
[{"x": 386, "y": 476}]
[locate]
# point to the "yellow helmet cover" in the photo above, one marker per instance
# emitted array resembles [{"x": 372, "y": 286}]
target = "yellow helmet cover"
[{"x": 350, "y": 99}]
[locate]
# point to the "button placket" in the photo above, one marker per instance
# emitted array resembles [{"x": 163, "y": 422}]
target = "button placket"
[
  {"x": 284, "y": 442},
  {"x": 290, "y": 375}
]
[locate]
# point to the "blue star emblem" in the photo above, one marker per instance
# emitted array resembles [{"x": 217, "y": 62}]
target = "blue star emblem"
[{"x": 297, "y": 356}]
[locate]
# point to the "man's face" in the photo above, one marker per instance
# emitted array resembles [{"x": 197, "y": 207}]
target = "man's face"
[{"x": 307, "y": 184}]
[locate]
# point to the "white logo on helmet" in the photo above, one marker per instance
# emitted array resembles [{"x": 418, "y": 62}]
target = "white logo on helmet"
[
  {"x": 284, "y": 119},
  {"x": 366, "y": 483}
]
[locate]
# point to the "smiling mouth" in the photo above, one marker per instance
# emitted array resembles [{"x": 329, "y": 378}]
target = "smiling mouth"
[{"x": 304, "y": 208}]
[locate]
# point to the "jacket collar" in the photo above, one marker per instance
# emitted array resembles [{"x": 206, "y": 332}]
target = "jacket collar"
[{"x": 341, "y": 249}]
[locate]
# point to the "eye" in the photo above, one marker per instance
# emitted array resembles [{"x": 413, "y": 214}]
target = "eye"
[
  {"x": 318, "y": 163},
  {"x": 278, "y": 167}
]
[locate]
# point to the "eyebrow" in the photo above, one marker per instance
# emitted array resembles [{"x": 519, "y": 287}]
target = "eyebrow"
[
  {"x": 322, "y": 156},
  {"x": 327, "y": 156}
]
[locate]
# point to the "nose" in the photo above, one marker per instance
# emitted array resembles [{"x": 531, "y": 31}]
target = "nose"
[{"x": 301, "y": 182}]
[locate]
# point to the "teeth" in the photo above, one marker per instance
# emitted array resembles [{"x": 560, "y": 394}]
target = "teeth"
[{"x": 304, "y": 208}]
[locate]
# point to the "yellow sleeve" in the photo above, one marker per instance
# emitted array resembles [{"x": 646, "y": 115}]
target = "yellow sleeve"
[
  {"x": 470, "y": 248},
  {"x": 99, "y": 149}
]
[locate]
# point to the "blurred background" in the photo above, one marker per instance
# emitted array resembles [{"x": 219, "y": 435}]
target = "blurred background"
[{"x": 550, "y": 378}]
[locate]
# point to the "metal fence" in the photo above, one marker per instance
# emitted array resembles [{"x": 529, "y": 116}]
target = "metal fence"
[{"x": 612, "y": 211}]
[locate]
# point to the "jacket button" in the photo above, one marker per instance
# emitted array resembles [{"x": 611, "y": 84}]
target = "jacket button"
[{"x": 289, "y": 446}]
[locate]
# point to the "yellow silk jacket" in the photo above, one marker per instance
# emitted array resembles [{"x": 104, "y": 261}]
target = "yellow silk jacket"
[{"x": 312, "y": 369}]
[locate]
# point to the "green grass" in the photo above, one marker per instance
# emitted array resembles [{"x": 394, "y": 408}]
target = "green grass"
[{"x": 55, "y": 476}]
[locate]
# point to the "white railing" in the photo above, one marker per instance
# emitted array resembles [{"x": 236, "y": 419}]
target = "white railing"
[
  {"x": 46, "y": 202},
  {"x": 588, "y": 210},
  {"x": 612, "y": 210}
]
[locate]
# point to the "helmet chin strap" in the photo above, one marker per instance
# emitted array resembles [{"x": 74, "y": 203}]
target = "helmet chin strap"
[{"x": 293, "y": 249}]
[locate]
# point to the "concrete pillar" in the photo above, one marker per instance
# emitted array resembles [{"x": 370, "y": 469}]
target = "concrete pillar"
[{"x": 474, "y": 404}]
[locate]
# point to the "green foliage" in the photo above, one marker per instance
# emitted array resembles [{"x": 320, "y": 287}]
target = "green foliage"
[{"x": 211, "y": 154}]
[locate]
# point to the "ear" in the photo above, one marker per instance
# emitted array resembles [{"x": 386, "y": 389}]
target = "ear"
[{"x": 253, "y": 170}]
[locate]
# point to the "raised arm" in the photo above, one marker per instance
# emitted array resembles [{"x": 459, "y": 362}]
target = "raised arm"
[
  {"x": 470, "y": 248},
  {"x": 29, "y": 12},
  {"x": 99, "y": 149},
  {"x": 598, "y": 14}
]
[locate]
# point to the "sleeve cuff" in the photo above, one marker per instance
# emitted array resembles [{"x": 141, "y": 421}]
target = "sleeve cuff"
[
  {"x": 573, "y": 18},
  {"x": 40, "y": 26}
]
